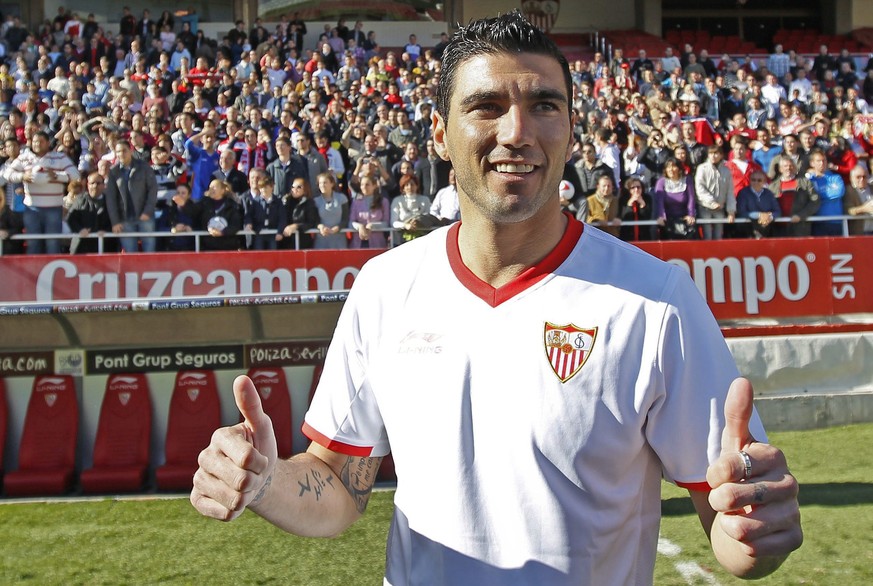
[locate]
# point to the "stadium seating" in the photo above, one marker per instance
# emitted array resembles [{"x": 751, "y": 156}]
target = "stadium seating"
[
  {"x": 121, "y": 450},
  {"x": 316, "y": 376},
  {"x": 4, "y": 417},
  {"x": 195, "y": 412},
  {"x": 273, "y": 388},
  {"x": 47, "y": 453}
]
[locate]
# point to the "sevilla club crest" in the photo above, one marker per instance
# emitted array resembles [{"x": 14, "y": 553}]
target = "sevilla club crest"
[
  {"x": 541, "y": 13},
  {"x": 568, "y": 348}
]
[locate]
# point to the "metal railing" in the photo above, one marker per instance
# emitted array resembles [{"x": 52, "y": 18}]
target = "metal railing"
[
  {"x": 195, "y": 235},
  {"x": 392, "y": 233}
]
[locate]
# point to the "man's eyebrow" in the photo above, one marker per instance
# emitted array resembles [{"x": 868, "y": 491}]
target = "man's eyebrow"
[{"x": 535, "y": 95}]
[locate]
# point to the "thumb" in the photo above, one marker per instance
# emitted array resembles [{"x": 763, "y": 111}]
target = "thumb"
[
  {"x": 737, "y": 414},
  {"x": 248, "y": 401}
]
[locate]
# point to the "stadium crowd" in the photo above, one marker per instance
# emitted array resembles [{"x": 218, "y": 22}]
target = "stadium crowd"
[{"x": 156, "y": 127}]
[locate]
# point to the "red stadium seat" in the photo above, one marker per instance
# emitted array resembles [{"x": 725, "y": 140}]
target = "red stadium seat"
[
  {"x": 121, "y": 450},
  {"x": 386, "y": 471},
  {"x": 4, "y": 417},
  {"x": 195, "y": 413},
  {"x": 47, "y": 454},
  {"x": 276, "y": 401},
  {"x": 316, "y": 376}
]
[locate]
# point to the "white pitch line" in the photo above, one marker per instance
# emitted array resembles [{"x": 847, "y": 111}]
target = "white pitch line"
[{"x": 690, "y": 571}]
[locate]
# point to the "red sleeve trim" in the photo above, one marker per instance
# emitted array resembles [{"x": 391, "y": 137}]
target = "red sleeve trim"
[
  {"x": 525, "y": 280},
  {"x": 335, "y": 446},
  {"x": 695, "y": 486}
]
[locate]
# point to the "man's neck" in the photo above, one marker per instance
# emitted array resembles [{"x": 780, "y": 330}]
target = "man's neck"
[{"x": 498, "y": 253}]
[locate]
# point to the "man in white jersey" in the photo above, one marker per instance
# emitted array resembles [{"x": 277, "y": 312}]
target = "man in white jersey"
[{"x": 530, "y": 426}]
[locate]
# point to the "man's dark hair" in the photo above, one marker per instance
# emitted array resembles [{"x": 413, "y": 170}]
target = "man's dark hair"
[{"x": 507, "y": 33}]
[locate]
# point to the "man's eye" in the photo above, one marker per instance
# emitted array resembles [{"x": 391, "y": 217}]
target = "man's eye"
[{"x": 547, "y": 107}]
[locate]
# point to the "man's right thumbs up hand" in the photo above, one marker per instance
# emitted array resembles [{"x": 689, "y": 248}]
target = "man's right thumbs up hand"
[{"x": 237, "y": 467}]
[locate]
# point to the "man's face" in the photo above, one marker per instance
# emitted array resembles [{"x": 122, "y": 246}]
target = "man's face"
[
  {"x": 688, "y": 132},
  {"x": 604, "y": 187},
  {"x": 39, "y": 145},
  {"x": 508, "y": 135},
  {"x": 302, "y": 143},
  {"x": 227, "y": 159},
  {"x": 715, "y": 157},
  {"x": 123, "y": 154},
  {"x": 95, "y": 186}
]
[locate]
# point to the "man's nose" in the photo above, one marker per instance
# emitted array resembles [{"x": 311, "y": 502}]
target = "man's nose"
[{"x": 515, "y": 128}]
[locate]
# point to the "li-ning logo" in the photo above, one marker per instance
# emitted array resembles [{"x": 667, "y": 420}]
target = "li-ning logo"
[
  {"x": 420, "y": 343},
  {"x": 567, "y": 348}
]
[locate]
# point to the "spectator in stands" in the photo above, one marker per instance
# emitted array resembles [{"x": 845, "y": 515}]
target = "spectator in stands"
[
  {"x": 831, "y": 190},
  {"x": 217, "y": 213},
  {"x": 410, "y": 211},
  {"x": 10, "y": 224},
  {"x": 758, "y": 204},
  {"x": 739, "y": 164},
  {"x": 655, "y": 154},
  {"x": 302, "y": 214},
  {"x": 778, "y": 63},
  {"x": 714, "y": 190},
  {"x": 674, "y": 203},
  {"x": 601, "y": 209},
  {"x": 316, "y": 164},
  {"x": 202, "y": 157},
  {"x": 669, "y": 61},
  {"x": 227, "y": 171},
  {"x": 88, "y": 214},
  {"x": 446, "y": 206},
  {"x": 333, "y": 214},
  {"x": 589, "y": 170},
  {"x": 643, "y": 63},
  {"x": 266, "y": 213},
  {"x": 859, "y": 201},
  {"x": 45, "y": 174},
  {"x": 764, "y": 151},
  {"x": 797, "y": 199},
  {"x": 635, "y": 205},
  {"x": 369, "y": 215},
  {"x": 131, "y": 197}
]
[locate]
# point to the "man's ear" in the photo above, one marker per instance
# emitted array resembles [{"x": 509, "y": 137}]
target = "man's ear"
[
  {"x": 569, "y": 153},
  {"x": 439, "y": 136}
]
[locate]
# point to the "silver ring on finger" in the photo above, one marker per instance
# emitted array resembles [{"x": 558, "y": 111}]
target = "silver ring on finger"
[{"x": 747, "y": 465}]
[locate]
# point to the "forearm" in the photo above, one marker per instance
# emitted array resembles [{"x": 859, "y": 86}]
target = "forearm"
[{"x": 307, "y": 497}]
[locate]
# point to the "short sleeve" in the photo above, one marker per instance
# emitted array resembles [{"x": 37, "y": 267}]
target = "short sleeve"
[
  {"x": 344, "y": 415},
  {"x": 685, "y": 424}
]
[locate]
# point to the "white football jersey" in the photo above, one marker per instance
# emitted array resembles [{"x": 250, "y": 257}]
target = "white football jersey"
[{"x": 530, "y": 425}]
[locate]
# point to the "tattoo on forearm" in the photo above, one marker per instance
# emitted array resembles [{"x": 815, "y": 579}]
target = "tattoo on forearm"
[
  {"x": 314, "y": 482},
  {"x": 358, "y": 475},
  {"x": 262, "y": 492}
]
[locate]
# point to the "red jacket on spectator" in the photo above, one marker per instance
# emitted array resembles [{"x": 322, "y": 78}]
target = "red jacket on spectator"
[{"x": 740, "y": 178}]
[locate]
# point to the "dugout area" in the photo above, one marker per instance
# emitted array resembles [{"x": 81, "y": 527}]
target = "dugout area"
[{"x": 96, "y": 343}]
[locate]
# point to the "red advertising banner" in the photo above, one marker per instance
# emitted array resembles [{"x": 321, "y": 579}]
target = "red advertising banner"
[
  {"x": 739, "y": 278},
  {"x": 777, "y": 278},
  {"x": 55, "y": 279}
]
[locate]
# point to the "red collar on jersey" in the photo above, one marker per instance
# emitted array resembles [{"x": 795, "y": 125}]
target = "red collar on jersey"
[{"x": 495, "y": 296}]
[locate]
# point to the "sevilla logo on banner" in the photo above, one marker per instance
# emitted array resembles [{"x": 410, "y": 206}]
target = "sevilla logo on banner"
[
  {"x": 124, "y": 398},
  {"x": 541, "y": 13},
  {"x": 193, "y": 394},
  {"x": 50, "y": 399},
  {"x": 568, "y": 348}
]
